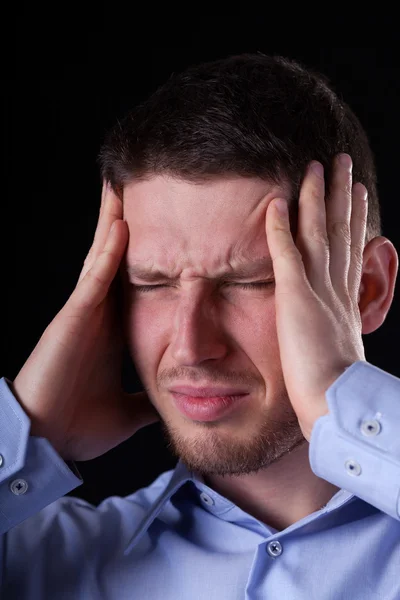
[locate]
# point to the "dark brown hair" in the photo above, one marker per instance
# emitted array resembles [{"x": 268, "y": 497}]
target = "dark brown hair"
[{"x": 248, "y": 115}]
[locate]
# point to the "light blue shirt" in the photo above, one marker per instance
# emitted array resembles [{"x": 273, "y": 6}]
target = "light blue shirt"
[{"x": 178, "y": 539}]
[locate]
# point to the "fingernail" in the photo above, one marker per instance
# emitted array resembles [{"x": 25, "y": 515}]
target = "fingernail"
[
  {"x": 359, "y": 188},
  {"x": 345, "y": 161},
  {"x": 317, "y": 168}
]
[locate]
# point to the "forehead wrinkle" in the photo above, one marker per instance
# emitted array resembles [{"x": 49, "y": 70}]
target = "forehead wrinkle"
[{"x": 240, "y": 268}]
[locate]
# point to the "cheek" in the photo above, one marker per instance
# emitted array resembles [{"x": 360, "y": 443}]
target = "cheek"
[
  {"x": 261, "y": 341},
  {"x": 144, "y": 326}
]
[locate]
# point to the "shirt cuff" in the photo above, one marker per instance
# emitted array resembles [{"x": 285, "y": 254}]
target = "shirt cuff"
[
  {"x": 357, "y": 445},
  {"x": 32, "y": 473}
]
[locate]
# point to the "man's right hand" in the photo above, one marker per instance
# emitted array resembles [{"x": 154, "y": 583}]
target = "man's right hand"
[{"x": 70, "y": 386}]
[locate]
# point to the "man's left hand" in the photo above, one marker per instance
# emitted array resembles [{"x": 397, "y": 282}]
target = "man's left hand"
[{"x": 317, "y": 282}]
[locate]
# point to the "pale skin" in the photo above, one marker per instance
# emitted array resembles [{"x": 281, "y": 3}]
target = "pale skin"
[{"x": 328, "y": 286}]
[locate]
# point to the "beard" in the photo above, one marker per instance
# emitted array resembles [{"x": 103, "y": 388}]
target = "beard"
[{"x": 236, "y": 448}]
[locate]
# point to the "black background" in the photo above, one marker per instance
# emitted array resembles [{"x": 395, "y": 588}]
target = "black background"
[{"x": 57, "y": 102}]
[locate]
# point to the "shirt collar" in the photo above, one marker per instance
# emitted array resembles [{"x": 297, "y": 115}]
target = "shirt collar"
[{"x": 181, "y": 475}]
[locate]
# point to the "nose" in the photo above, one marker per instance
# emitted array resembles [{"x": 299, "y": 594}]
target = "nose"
[{"x": 198, "y": 334}]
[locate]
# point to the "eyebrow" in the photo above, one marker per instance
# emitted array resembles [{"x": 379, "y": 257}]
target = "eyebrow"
[{"x": 242, "y": 271}]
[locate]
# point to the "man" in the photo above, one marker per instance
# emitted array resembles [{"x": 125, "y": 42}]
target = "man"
[{"x": 287, "y": 440}]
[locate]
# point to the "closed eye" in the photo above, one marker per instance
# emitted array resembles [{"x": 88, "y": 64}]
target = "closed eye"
[{"x": 246, "y": 286}]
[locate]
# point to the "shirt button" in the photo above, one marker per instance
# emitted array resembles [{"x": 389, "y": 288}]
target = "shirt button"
[
  {"x": 370, "y": 427},
  {"x": 352, "y": 467},
  {"x": 1, "y": 460},
  {"x": 206, "y": 499},
  {"x": 274, "y": 548},
  {"x": 18, "y": 486}
]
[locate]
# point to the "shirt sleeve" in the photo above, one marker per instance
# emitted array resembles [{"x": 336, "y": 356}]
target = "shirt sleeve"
[
  {"x": 32, "y": 473},
  {"x": 357, "y": 445}
]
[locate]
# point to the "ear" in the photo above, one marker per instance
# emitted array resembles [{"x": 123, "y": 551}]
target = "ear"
[{"x": 378, "y": 280}]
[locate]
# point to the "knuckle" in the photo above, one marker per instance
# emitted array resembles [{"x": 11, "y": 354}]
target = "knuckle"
[
  {"x": 344, "y": 188},
  {"x": 290, "y": 252},
  {"x": 339, "y": 187},
  {"x": 96, "y": 277},
  {"x": 341, "y": 229},
  {"x": 358, "y": 254},
  {"x": 109, "y": 253},
  {"x": 318, "y": 235},
  {"x": 315, "y": 194}
]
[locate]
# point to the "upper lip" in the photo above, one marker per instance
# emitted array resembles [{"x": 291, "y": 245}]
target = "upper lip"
[{"x": 206, "y": 392}]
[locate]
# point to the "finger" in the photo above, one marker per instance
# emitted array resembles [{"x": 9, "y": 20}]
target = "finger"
[
  {"x": 111, "y": 211},
  {"x": 338, "y": 221},
  {"x": 94, "y": 286},
  {"x": 289, "y": 273},
  {"x": 312, "y": 239},
  {"x": 358, "y": 227},
  {"x": 103, "y": 195}
]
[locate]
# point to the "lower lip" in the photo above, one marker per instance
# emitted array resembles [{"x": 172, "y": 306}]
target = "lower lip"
[{"x": 206, "y": 409}]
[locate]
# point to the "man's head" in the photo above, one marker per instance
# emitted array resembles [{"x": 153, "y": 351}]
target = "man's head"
[
  {"x": 196, "y": 167},
  {"x": 247, "y": 115}
]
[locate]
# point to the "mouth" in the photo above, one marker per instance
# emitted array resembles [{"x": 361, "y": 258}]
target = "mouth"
[
  {"x": 207, "y": 391},
  {"x": 207, "y": 408}
]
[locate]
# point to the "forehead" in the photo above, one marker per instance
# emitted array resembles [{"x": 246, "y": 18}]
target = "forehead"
[{"x": 175, "y": 224}]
